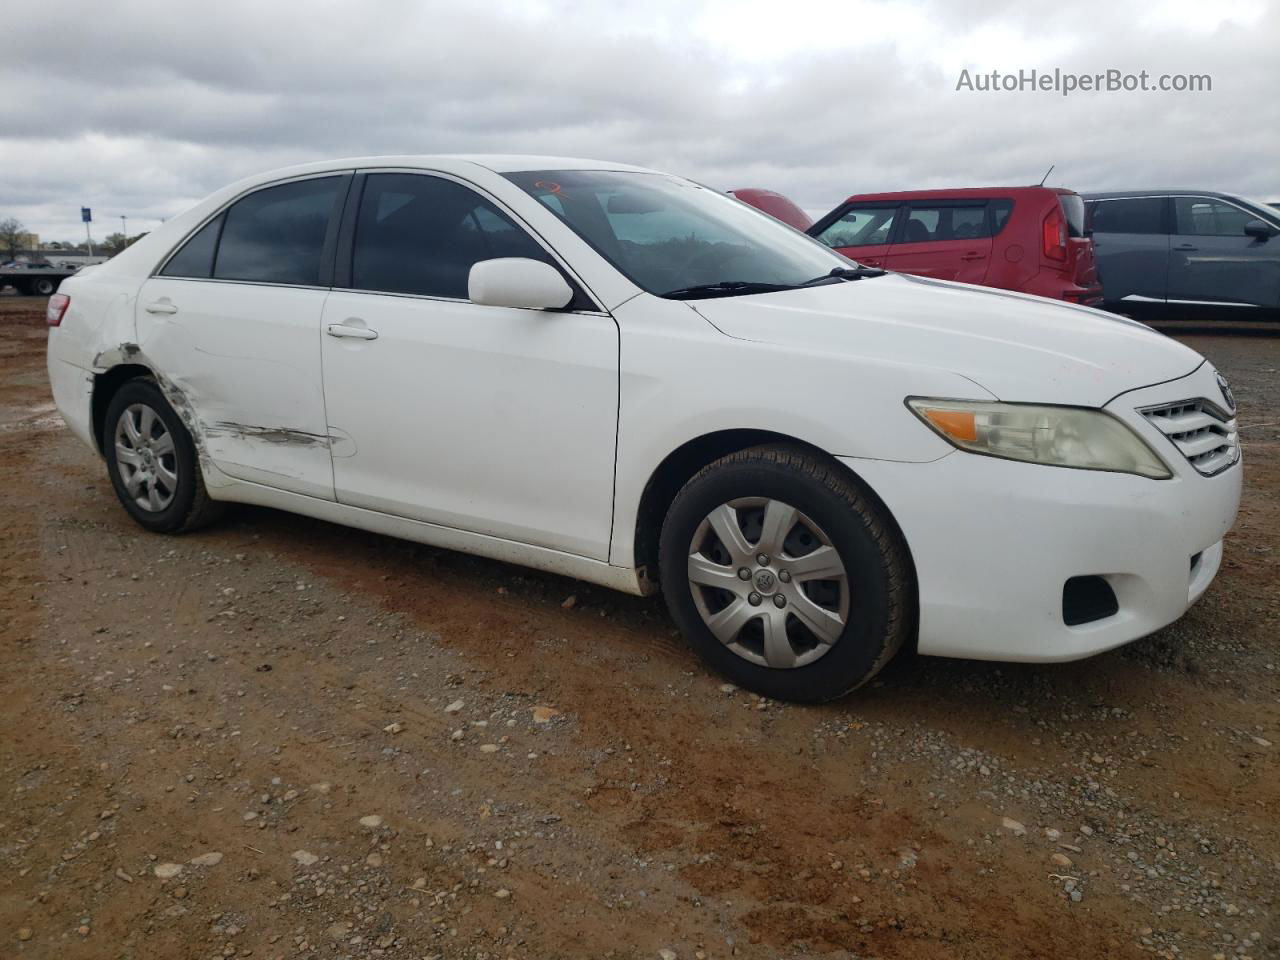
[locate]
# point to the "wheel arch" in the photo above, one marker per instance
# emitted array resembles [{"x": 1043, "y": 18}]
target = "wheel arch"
[
  {"x": 105, "y": 386},
  {"x": 679, "y": 466}
]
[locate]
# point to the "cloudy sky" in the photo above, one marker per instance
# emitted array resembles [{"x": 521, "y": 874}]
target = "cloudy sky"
[{"x": 142, "y": 108}]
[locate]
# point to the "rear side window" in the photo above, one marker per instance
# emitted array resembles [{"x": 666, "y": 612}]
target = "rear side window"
[
  {"x": 1204, "y": 217},
  {"x": 421, "y": 235},
  {"x": 927, "y": 223},
  {"x": 860, "y": 227},
  {"x": 277, "y": 235},
  {"x": 194, "y": 258},
  {"x": 1138, "y": 215}
]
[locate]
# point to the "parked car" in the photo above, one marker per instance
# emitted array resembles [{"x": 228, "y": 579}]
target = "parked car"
[
  {"x": 776, "y": 205},
  {"x": 1186, "y": 250},
  {"x": 1029, "y": 239},
  {"x": 624, "y": 377}
]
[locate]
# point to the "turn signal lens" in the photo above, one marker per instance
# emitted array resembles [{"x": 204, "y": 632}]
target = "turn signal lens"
[
  {"x": 1055, "y": 436},
  {"x": 958, "y": 425}
]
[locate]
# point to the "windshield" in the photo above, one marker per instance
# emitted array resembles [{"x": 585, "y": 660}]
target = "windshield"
[
  {"x": 1266, "y": 210},
  {"x": 666, "y": 234}
]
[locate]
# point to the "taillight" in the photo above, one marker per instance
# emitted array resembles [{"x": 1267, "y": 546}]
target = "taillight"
[
  {"x": 1055, "y": 234},
  {"x": 58, "y": 304}
]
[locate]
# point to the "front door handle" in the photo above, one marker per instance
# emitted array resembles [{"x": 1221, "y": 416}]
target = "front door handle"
[
  {"x": 161, "y": 306},
  {"x": 355, "y": 333},
  {"x": 1185, "y": 246}
]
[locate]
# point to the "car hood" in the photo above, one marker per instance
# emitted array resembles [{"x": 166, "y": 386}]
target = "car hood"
[{"x": 1019, "y": 347}]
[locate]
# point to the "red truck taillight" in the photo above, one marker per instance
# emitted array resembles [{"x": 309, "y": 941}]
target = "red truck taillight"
[{"x": 58, "y": 304}]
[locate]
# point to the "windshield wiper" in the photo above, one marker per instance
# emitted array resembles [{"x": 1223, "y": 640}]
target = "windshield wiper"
[
  {"x": 724, "y": 288},
  {"x": 846, "y": 273}
]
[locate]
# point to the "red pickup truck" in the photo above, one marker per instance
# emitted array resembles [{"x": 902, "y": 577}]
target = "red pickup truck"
[{"x": 1030, "y": 239}]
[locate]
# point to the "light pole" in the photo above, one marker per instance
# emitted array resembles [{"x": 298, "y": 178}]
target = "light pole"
[{"x": 124, "y": 230}]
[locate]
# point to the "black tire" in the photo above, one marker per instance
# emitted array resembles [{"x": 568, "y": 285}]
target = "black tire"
[
  {"x": 44, "y": 286},
  {"x": 881, "y": 606},
  {"x": 190, "y": 507}
]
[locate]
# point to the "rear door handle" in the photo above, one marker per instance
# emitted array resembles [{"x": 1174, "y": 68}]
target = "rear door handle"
[
  {"x": 973, "y": 256},
  {"x": 161, "y": 306},
  {"x": 1185, "y": 246},
  {"x": 355, "y": 333}
]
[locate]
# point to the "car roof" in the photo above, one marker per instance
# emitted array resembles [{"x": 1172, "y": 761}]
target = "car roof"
[
  {"x": 1133, "y": 194},
  {"x": 451, "y": 163},
  {"x": 961, "y": 192}
]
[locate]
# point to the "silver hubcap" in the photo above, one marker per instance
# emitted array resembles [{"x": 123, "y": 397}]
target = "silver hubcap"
[
  {"x": 768, "y": 583},
  {"x": 146, "y": 458}
]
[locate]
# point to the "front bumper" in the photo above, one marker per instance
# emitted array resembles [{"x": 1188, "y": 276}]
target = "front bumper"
[{"x": 994, "y": 542}]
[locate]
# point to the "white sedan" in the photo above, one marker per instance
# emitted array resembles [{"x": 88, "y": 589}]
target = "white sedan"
[{"x": 628, "y": 378}]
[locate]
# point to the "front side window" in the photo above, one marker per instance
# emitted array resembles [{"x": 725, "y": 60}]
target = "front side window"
[
  {"x": 1137, "y": 215},
  {"x": 669, "y": 235},
  {"x": 945, "y": 222},
  {"x": 1203, "y": 217},
  {"x": 420, "y": 234},
  {"x": 860, "y": 227},
  {"x": 276, "y": 235}
]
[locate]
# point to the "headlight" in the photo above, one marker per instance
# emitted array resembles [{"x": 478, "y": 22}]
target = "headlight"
[{"x": 1056, "y": 436}]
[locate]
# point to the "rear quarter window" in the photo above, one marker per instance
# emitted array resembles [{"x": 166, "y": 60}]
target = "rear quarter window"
[{"x": 194, "y": 258}]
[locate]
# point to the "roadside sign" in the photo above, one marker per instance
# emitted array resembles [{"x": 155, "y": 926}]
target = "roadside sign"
[{"x": 86, "y": 215}]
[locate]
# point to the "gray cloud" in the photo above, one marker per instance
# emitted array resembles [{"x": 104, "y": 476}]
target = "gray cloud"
[{"x": 141, "y": 109}]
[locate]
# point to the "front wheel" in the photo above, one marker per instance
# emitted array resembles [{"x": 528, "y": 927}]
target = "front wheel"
[{"x": 785, "y": 575}]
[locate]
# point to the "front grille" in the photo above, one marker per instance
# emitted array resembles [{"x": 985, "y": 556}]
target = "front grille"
[{"x": 1203, "y": 433}]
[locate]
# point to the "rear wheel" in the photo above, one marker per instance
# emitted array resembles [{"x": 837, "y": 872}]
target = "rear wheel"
[
  {"x": 152, "y": 461},
  {"x": 43, "y": 286},
  {"x": 785, "y": 575}
]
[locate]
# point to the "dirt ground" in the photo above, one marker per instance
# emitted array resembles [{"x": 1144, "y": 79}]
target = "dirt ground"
[{"x": 280, "y": 738}]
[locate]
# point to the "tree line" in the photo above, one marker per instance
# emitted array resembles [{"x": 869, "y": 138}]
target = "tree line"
[{"x": 12, "y": 231}]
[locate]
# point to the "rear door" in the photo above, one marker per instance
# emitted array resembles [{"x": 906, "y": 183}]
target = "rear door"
[
  {"x": 232, "y": 322},
  {"x": 861, "y": 231},
  {"x": 946, "y": 240},
  {"x": 1213, "y": 260},
  {"x": 1131, "y": 247}
]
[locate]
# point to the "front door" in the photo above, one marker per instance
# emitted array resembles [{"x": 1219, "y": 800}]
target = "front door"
[
  {"x": 1212, "y": 259},
  {"x": 946, "y": 241},
  {"x": 232, "y": 324},
  {"x": 492, "y": 420}
]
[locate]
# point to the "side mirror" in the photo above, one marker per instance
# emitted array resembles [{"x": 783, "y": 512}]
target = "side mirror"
[
  {"x": 518, "y": 282},
  {"x": 1257, "y": 229}
]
